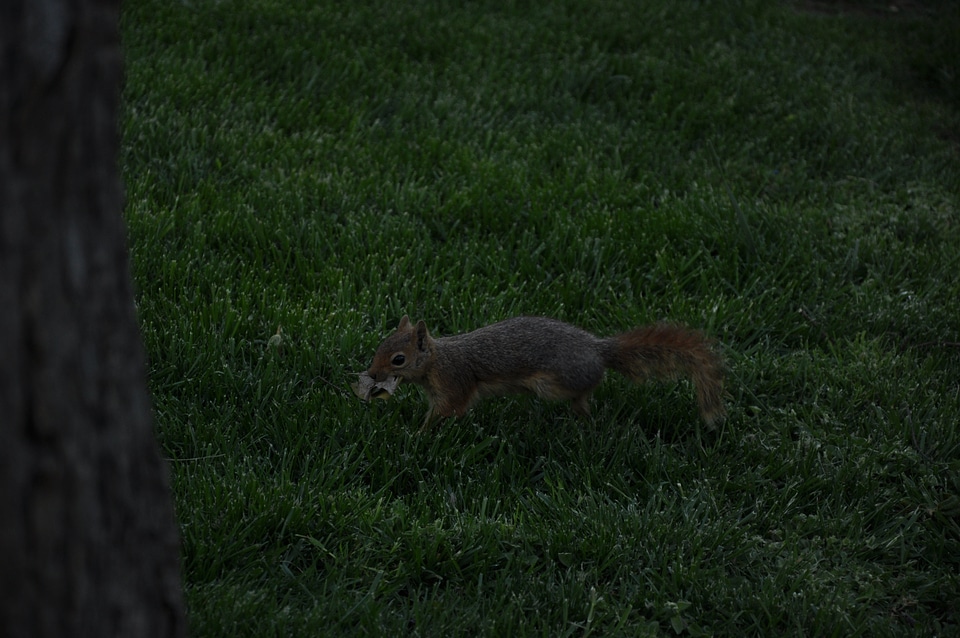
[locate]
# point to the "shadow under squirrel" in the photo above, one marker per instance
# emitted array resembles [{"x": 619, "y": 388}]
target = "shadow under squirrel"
[{"x": 546, "y": 357}]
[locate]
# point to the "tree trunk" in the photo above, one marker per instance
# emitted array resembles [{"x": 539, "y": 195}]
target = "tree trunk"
[{"x": 88, "y": 540}]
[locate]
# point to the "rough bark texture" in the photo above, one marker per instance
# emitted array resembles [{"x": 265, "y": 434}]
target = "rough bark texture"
[{"x": 88, "y": 541}]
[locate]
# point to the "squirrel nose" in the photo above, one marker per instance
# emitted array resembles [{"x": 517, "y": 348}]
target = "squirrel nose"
[{"x": 377, "y": 376}]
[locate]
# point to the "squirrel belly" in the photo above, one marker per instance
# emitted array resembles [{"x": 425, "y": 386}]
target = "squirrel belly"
[{"x": 546, "y": 357}]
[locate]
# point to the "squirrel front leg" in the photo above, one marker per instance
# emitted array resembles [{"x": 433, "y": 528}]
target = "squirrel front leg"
[
  {"x": 444, "y": 406},
  {"x": 431, "y": 417}
]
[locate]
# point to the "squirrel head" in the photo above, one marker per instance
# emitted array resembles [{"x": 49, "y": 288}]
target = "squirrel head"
[{"x": 406, "y": 354}]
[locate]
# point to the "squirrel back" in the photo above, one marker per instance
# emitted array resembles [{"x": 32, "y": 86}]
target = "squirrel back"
[{"x": 546, "y": 357}]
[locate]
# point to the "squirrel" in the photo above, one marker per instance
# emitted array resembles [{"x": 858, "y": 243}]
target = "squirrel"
[{"x": 547, "y": 357}]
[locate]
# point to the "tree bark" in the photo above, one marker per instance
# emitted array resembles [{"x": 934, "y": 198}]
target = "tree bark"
[{"x": 88, "y": 540}]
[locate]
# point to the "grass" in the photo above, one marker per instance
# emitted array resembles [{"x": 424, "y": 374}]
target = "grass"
[{"x": 786, "y": 179}]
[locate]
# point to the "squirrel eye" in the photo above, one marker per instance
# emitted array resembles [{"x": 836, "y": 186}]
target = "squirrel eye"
[{"x": 398, "y": 360}]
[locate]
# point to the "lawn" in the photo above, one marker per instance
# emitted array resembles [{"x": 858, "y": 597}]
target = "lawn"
[{"x": 783, "y": 176}]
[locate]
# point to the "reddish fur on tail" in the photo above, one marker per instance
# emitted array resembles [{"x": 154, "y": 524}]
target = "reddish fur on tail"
[{"x": 668, "y": 352}]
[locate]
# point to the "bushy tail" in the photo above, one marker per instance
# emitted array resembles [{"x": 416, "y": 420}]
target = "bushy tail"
[{"x": 667, "y": 352}]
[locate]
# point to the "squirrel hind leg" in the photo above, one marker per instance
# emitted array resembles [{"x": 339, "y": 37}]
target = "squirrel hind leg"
[{"x": 552, "y": 388}]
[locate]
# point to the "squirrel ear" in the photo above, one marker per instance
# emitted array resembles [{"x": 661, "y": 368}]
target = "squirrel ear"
[
  {"x": 423, "y": 335},
  {"x": 404, "y": 323}
]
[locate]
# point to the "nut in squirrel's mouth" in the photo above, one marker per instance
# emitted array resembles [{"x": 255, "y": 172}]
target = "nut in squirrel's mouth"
[
  {"x": 367, "y": 388},
  {"x": 377, "y": 392}
]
